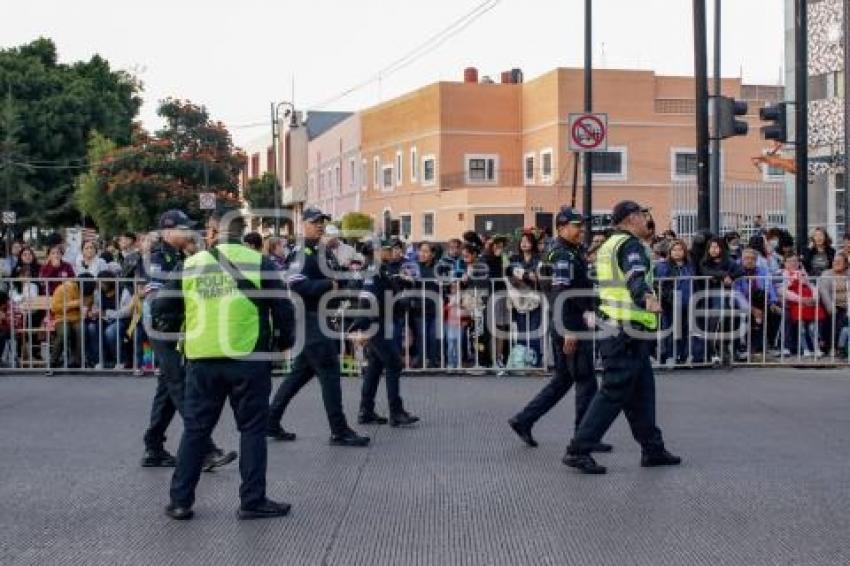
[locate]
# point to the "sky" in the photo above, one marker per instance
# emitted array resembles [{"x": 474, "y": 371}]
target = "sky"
[{"x": 237, "y": 57}]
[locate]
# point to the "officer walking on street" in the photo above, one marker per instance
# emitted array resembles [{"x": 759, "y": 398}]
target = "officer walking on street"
[
  {"x": 629, "y": 310},
  {"x": 231, "y": 329},
  {"x": 309, "y": 280},
  {"x": 164, "y": 265},
  {"x": 569, "y": 299},
  {"x": 382, "y": 353}
]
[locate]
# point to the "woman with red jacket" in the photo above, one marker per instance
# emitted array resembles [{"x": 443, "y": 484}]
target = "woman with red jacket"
[
  {"x": 804, "y": 311},
  {"x": 55, "y": 268}
]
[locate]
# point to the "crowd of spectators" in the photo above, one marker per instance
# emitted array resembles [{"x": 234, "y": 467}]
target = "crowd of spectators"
[{"x": 779, "y": 302}]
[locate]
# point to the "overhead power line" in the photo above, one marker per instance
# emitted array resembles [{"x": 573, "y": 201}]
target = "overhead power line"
[{"x": 423, "y": 49}]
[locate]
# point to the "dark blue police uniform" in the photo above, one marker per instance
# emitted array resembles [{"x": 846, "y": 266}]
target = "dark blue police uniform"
[
  {"x": 568, "y": 274},
  {"x": 308, "y": 280}
]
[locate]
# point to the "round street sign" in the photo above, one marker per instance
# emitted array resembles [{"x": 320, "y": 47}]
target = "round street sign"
[{"x": 588, "y": 132}]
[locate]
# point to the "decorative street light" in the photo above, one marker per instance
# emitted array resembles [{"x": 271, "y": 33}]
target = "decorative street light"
[{"x": 293, "y": 123}]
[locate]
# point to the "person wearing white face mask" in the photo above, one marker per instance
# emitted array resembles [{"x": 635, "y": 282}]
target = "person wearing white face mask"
[{"x": 774, "y": 260}]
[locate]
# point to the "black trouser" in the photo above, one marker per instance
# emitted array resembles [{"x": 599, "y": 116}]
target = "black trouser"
[
  {"x": 381, "y": 354},
  {"x": 320, "y": 359},
  {"x": 577, "y": 369},
  {"x": 169, "y": 396},
  {"x": 209, "y": 383},
  {"x": 628, "y": 385}
]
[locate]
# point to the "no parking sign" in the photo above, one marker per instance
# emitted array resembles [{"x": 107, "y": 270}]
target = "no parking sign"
[{"x": 588, "y": 132}]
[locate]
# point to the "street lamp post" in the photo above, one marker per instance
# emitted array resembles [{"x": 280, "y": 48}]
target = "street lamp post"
[{"x": 275, "y": 116}]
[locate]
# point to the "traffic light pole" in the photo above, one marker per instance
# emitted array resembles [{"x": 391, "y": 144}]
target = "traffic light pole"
[
  {"x": 701, "y": 80},
  {"x": 801, "y": 109},
  {"x": 714, "y": 197},
  {"x": 587, "y": 194}
]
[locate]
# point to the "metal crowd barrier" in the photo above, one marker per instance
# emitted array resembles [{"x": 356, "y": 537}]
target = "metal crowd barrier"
[
  {"x": 75, "y": 325},
  {"x": 484, "y": 326},
  {"x": 754, "y": 321}
]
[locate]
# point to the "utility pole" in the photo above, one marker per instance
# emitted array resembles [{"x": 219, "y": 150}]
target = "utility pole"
[
  {"x": 714, "y": 197},
  {"x": 701, "y": 110},
  {"x": 801, "y": 109},
  {"x": 846, "y": 34},
  {"x": 275, "y": 135},
  {"x": 587, "y": 196}
]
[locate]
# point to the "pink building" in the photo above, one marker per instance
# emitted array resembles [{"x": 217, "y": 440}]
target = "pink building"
[{"x": 335, "y": 170}]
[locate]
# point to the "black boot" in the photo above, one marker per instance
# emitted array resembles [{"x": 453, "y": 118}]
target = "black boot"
[
  {"x": 371, "y": 417},
  {"x": 158, "y": 458},
  {"x": 349, "y": 438},
  {"x": 277, "y": 433},
  {"x": 265, "y": 510},
  {"x": 179, "y": 513},
  {"x": 218, "y": 458},
  {"x": 662, "y": 458},
  {"x": 402, "y": 418},
  {"x": 523, "y": 431},
  {"x": 584, "y": 463}
]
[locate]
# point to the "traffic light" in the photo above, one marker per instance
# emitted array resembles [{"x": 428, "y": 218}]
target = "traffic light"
[
  {"x": 729, "y": 110},
  {"x": 777, "y": 115}
]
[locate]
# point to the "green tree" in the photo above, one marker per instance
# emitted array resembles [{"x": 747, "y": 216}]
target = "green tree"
[
  {"x": 14, "y": 168},
  {"x": 356, "y": 222},
  {"x": 129, "y": 188},
  {"x": 259, "y": 192},
  {"x": 88, "y": 195},
  {"x": 59, "y": 105}
]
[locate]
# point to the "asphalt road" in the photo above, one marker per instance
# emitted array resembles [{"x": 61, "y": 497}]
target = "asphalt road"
[{"x": 765, "y": 480}]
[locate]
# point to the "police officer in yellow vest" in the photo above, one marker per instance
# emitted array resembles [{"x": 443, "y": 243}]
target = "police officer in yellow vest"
[
  {"x": 629, "y": 311},
  {"x": 231, "y": 328}
]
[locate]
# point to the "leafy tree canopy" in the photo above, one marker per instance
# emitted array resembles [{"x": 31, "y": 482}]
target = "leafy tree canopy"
[
  {"x": 57, "y": 106},
  {"x": 129, "y": 187},
  {"x": 259, "y": 192}
]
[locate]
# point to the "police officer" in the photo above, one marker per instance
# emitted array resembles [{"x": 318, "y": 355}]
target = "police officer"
[
  {"x": 629, "y": 309},
  {"x": 309, "y": 278},
  {"x": 230, "y": 331},
  {"x": 569, "y": 290},
  {"x": 164, "y": 265},
  {"x": 382, "y": 353}
]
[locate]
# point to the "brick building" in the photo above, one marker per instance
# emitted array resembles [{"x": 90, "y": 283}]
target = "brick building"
[{"x": 494, "y": 156}]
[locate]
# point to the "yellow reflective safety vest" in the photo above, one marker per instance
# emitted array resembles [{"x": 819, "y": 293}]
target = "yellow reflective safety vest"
[
  {"x": 221, "y": 322},
  {"x": 615, "y": 300}
]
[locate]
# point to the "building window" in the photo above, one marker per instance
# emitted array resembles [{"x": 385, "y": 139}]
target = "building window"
[
  {"x": 338, "y": 178},
  {"x": 388, "y": 177},
  {"x": 683, "y": 164},
  {"x": 546, "y": 165},
  {"x": 376, "y": 175},
  {"x": 413, "y": 164},
  {"x": 398, "y": 168},
  {"x": 610, "y": 164},
  {"x": 429, "y": 170},
  {"x": 528, "y": 168},
  {"x": 818, "y": 86},
  {"x": 428, "y": 225},
  {"x": 481, "y": 168},
  {"x": 364, "y": 182},
  {"x": 351, "y": 172},
  {"x": 406, "y": 222}
]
